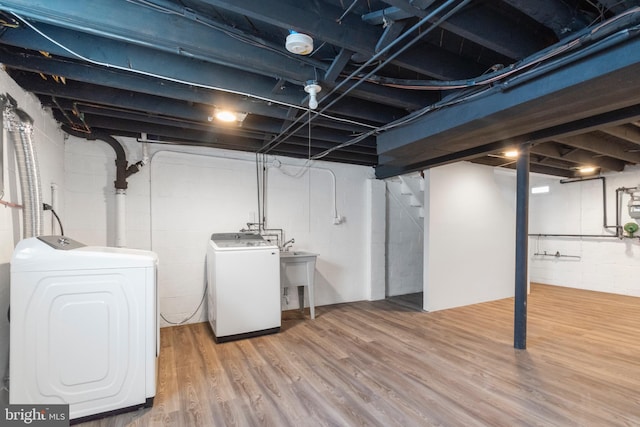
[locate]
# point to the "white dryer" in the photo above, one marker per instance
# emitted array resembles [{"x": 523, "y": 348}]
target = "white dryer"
[
  {"x": 243, "y": 272},
  {"x": 84, "y": 326}
]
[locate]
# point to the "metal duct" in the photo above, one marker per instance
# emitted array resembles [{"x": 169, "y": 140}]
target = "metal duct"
[{"x": 20, "y": 129}]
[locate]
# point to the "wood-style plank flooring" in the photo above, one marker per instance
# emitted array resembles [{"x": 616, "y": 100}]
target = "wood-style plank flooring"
[{"x": 379, "y": 364}]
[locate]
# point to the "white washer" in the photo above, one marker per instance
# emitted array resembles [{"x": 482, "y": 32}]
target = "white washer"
[
  {"x": 84, "y": 326},
  {"x": 243, "y": 272}
]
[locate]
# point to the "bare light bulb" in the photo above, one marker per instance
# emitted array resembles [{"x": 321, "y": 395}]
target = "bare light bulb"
[{"x": 312, "y": 88}]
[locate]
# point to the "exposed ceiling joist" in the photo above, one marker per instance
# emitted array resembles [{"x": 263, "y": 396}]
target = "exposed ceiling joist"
[
  {"x": 131, "y": 66},
  {"x": 594, "y": 144},
  {"x": 531, "y": 106},
  {"x": 577, "y": 156},
  {"x": 629, "y": 133}
]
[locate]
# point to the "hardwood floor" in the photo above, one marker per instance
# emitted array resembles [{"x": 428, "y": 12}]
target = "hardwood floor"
[{"x": 380, "y": 364}]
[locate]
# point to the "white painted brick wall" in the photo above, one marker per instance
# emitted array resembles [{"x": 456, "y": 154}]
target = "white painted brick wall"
[
  {"x": 176, "y": 202},
  {"x": 606, "y": 265}
]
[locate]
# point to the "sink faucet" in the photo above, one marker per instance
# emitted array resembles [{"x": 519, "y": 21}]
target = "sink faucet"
[{"x": 286, "y": 245}]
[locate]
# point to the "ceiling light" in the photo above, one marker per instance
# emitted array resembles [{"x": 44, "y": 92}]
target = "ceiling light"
[
  {"x": 587, "y": 169},
  {"x": 511, "y": 153},
  {"x": 228, "y": 116},
  {"x": 312, "y": 88}
]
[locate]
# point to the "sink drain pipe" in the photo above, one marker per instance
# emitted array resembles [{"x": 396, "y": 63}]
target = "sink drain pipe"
[{"x": 123, "y": 171}]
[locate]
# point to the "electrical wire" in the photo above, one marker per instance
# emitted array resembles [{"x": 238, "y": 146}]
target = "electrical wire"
[{"x": 48, "y": 207}]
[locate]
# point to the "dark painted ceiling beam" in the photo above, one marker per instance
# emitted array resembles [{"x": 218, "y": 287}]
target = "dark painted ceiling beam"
[
  {"x": 222, "y": 141},
  {"x": 209, "y": 138},
  {"x": 131, "y": 23},
  {"x": 131, "y": 122},
  {"x": 127, "y": 56},
  {"x": 94, "y": 74},
  {"x": 338, "y": 64},
  {"x": 533, "y": 167},
  {"x": 439, "y": 63},
  {"x": 319, "y": 20},
  {"x": 479, "y": 24},
  {"x": 184, "y": 69},
  {"x": 486, "y": 27},
  {"x": 407, "y": 99},
  {"x": 351, "y": 33},
  {"x": 610, "y": 79},
  {"x": 629, "y": 133},
  {"x": 410, "y": 7},
  {"x": 618, "y": 6},
  {"x": 577, "y": 156},
  {"x": 387, "y": 167},
  {"x": 320, "y": 137},
  {"x": 252, "y": 124},
  {"x": 397, "y": 12},
  {"x": 596, "y": 145},
  {"x": 554, "y": 14},
  {"x": 391, "y": 32},
  {"x": 164, "y": 106}
]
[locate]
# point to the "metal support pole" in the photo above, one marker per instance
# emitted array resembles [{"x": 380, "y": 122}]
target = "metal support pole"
[{"x": 522, "y": 248}]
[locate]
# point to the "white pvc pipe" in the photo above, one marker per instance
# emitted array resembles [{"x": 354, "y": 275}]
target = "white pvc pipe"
[{"x": 121, "y": 211}]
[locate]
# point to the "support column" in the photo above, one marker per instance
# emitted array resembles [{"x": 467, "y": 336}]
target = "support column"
[{"x": 522, "y": 248}]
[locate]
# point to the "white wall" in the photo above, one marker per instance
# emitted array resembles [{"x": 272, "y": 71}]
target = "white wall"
[
  {"x": 48, "y": 142},
  {"x": 469, "y": 235},
  {"x": 607, "y": 265},
  {"x": 376, "y": 238},
  {"x": 179, "y": 199}
]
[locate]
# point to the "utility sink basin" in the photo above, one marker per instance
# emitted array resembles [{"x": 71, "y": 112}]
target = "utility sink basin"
[
  {"x": 297, "y": 256},
  {"x": 297, "y": 269}
]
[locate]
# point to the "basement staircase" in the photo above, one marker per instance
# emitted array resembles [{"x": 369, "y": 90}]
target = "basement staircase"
[{"x": 408, "y": 192}]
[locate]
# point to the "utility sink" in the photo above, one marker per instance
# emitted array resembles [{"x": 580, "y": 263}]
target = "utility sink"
[
  {"x": 297, "y": 256},
  {"x": 297, "y": 269}
]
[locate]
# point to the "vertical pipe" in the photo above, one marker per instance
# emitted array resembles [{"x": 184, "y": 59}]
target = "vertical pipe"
[
  {"x": 121, "y": 209},
  {"x": 522, "y": 248}
]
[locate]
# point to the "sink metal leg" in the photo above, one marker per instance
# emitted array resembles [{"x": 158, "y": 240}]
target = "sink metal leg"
[
  {"x": 301, "y": 298},
  {"x": 311, "y": 269}
]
